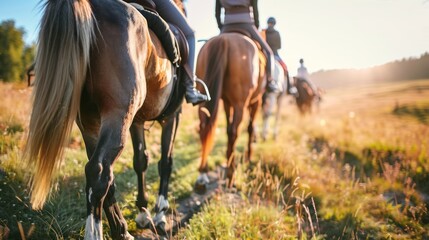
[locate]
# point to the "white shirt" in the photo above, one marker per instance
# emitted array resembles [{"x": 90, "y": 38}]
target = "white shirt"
[{"x": 302, "y": 73}]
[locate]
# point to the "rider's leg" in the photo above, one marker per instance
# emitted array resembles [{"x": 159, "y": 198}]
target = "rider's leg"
[
  {"x": 290, "y": 89},
  {"x": 283, "y": 64},
  {"x": 162, "y": 30},
  {"x": 171, "y": 13},
  {"x": 268, "y": 52}
]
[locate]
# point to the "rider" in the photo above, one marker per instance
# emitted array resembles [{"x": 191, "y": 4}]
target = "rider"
[
  {"x": 302, "y": 74},
  {"x": 243, "y": 14},
  {"x": 169, "y": 11},
  {"x": 274, "y": 41}
]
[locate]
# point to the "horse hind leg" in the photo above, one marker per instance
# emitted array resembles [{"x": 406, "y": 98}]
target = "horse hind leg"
[
  {"x": 265, "y": 117},
  {"x": 232, "y": 132},
  {"x": 117, "y": 223},
  {"x": 277, "y": 117},
  {"x": 253, "y": 109},
  {"x": 99, "y": 175},
  {"x": 140, "y": 163},
  {"x": 207, "y": 136},
  {"x": 265, "y": 123},
  {"x": 165, "y": 166}
]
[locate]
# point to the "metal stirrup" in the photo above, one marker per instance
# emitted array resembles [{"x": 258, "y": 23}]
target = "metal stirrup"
[{"x": 197, "y": 80}]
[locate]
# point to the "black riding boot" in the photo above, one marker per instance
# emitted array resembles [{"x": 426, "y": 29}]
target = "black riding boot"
[{"x": 192, "y": 94}]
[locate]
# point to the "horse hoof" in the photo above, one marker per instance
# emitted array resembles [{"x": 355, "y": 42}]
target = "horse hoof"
[
  {"x": 128, "y": 236},
  {"x": 200, "y": 188},
  {"x": 160, "y": 230},
  {"x": 143, "y": 220}
]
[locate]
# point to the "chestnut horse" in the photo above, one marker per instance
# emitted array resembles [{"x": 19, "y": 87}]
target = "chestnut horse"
[
  {"x": 306, "y": 98},
  {"x": 230, "y": 65},
  {"x": 99, "y": 64}
]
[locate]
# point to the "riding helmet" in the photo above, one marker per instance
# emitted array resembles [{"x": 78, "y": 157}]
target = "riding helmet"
[{"x": 271, "y": 20}]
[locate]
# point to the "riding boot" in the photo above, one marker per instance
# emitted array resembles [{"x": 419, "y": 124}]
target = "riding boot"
[
  {"x": 192, "y": 95},
  {"x": 271, "y": 85},
  {"x": 293, "y": 91},
  {"x": 290, "y": 89}
]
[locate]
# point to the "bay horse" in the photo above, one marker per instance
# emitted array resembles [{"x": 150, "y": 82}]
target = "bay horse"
[
  {"x": 233, "y": 68},
  {"x": 99, "y": 64},
  {"x": 306, "y": 97},
  {"x": 272, "y": 102}
]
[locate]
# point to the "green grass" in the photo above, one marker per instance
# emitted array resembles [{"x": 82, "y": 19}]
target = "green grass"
[
  {"x": 357, "y": 169},
  {"x": 224, "y": 219},
  {"x": 363, "y": 165}
]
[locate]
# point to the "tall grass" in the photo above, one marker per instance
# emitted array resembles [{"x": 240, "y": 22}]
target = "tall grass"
[
  {"x": 361, "y": 167},
  {"x": 357, "y": 169}
]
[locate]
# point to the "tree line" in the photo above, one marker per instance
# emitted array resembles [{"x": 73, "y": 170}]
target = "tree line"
[
  {"x": 404, "y": 69},
  {"x": 15, "y": 55}
]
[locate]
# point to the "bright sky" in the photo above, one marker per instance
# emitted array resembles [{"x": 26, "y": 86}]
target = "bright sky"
[{"x": 328, "y": 34}]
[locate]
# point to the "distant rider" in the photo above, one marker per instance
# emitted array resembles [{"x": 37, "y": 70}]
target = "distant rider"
[
  {"x": 302, "y": 74},
  {"x": 243, "y": 14},
  {"x": 274, "y": 41}
]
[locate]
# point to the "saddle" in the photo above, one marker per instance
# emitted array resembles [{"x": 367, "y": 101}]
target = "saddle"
[
  {"x": 172, "y": 46},
  {"x": 238, "y": 30},
  {"x": 244, "y": 32}
]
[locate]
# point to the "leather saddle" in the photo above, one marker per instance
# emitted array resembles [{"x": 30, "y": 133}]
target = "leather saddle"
[
  {"x": 238, "y": 30},
  {"x": 178, "y": 34},
  {"x": 245, "y": 33}
]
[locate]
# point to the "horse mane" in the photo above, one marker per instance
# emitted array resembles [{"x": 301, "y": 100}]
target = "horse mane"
[{"x": 61, "y": 65}]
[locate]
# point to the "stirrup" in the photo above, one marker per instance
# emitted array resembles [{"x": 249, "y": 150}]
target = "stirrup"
[
  {"x": 197, "y": 80},
  {"x": 272, "y": 87}
]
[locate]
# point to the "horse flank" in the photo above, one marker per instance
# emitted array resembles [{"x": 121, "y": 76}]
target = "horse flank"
[{"x": 65, "y": 38}]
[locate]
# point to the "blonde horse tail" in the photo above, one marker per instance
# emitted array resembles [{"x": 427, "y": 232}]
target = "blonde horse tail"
[
  {"x": 215, "y": 54},
  {"x": 65, "y": 37}
]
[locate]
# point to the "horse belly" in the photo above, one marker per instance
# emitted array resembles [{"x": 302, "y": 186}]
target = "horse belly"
[{"x": 155, "y": 103}]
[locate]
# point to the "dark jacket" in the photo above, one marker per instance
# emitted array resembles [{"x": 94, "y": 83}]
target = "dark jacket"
[{"x": 273, "y": 39}]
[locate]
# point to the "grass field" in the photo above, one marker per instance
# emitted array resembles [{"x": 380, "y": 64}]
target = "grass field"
[{"x": 358, "y": 168}]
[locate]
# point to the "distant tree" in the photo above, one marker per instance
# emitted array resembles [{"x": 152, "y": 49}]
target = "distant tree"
[
  {"x": 28, "y": 56},
  {"x": 13, "y": 53},
  {"x": 400, "y": 70}
]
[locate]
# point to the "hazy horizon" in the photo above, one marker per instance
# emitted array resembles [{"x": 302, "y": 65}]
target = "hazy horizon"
[{"x": 330, "y": 34}]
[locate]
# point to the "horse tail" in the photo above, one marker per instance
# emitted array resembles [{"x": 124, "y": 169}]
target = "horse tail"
[
  {"x": 65, "y": 37},
  {"x": 215, "y": 68}
]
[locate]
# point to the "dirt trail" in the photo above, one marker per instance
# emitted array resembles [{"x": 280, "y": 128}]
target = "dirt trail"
[{"x": 186, "y": 209}]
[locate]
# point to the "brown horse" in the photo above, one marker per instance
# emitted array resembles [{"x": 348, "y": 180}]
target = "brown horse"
[
  {"x": 99, "y": 64},
  {"x": 306, "y": 96},
  {"x": 231, "y": 66}
]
